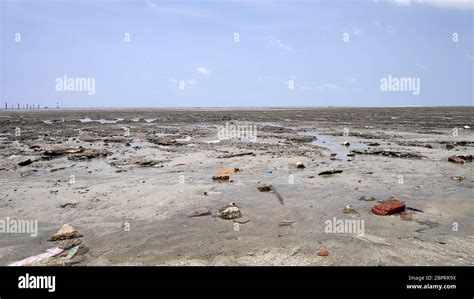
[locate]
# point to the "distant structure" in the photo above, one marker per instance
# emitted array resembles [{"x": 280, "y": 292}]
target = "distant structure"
[{"x": 57, "y": 105}]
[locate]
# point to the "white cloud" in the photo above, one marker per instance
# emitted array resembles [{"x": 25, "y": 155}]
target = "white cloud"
[
  {"x": 275, "y": 42},
  {"x": 455, "y": 4},
  {"x": 203, "y": 71}
]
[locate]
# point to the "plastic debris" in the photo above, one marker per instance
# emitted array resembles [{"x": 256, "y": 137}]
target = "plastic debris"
[{"x": 37, "y": 258}]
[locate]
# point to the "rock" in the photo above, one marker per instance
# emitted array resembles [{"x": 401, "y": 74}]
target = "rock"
[
  {"x": 374, "y": 144},
  {"x": 345, "y": 143},
  {"x": 391, "y": 206},
  {"x": 230, "y": 211},
  {"x": 367, "y": 198},
  {"x": 449, "y": 146},
  {"x": 25, "y": 163},
  {"x": 66, "y": 232},
  {"x": 349, "y": 210},
  {"x": 330, "y": 172},
  {"x": 300, "y": 165},
  {"x": 221, "y": 178},
  {"x": 457, "y": 178},
  {"x": 26, "y": 173},
  {"x": 351, "y": 154},
  {"x": 199, "y": 212},
  {"x": 460, "y": 159},
  {"x": 264, "y": 187},
  {"x": 428, "y": 146},
  {"x": 323, "y": 252}
]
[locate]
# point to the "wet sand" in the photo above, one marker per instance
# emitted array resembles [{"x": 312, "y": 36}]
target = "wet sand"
[{"x": 146, "y": 169}]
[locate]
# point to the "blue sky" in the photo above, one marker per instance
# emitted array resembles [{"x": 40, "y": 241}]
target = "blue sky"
[{"x": 335, "y": 52}]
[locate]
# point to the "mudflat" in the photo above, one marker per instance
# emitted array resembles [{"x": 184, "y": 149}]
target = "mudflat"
[{"x": 149, "y": 186}]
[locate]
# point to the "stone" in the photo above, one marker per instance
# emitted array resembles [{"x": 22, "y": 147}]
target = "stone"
[
  {"x": 391, "y": 206},
  {"x": 323, "y": 252},
  {"x": 66, "y": 232}
]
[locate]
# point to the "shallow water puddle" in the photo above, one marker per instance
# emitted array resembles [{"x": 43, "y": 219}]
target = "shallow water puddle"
[{"x": 333, "y": 145}]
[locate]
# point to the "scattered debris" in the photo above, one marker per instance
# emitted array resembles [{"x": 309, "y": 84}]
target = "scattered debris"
[
  {"x": 68, "y": 205},
  {"x": 25, "y": 163},
  {"x": 37, "y": 258},
  {"x": 236, "y": 155},
  {"x": 457, "y": 178},
  {"x": 199, "y": 212},
  {"x": 66, "y": 232},
  {"x": 69, "y": 243},
  {"x": 460, "y": 159},
  {"x": 221, "y": 178},
  {"x": 268, "y": 170},
  {"x": 26, "y": 173},
  {"x": 345, "y": 143},
  {"x": 230, "y": 211},
  {"x": 285, "y": 223},
  {"x": 391, "y": 154},
  {"x": 330, "y": 172},
  {"x": 374, "y": 144},
  {"x": 414, "y": 210},
  {"x": 367, "y": 198},
  {"x": 389, "y": 207},
  {"x": 300, "y": 165},
  {"x": 351, "y": 154},
  {"x": 264, "y": 187},
  {"x": 350, "y": 210},
  {"x": 323, "y": 252},
  {"x": 449, "y": 146}
]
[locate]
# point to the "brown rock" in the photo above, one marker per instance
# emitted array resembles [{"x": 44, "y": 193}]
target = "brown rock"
[
  {"x": 264, "y": 187},
  {"x": 221, "y": 178},
  {"x": 323, "y": 252},
  {"x": 460, "y": 159},
  {"x": 449, "y": 146},
  {"x": 66, "y": 232},
  {"x": 391, "y": 206}
]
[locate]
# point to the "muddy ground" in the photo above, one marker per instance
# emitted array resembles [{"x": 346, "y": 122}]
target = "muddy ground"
[{"x": 142, "y": 171}]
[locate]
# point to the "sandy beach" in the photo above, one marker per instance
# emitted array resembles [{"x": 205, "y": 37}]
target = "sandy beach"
[{"x": 128, "y": 180}]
